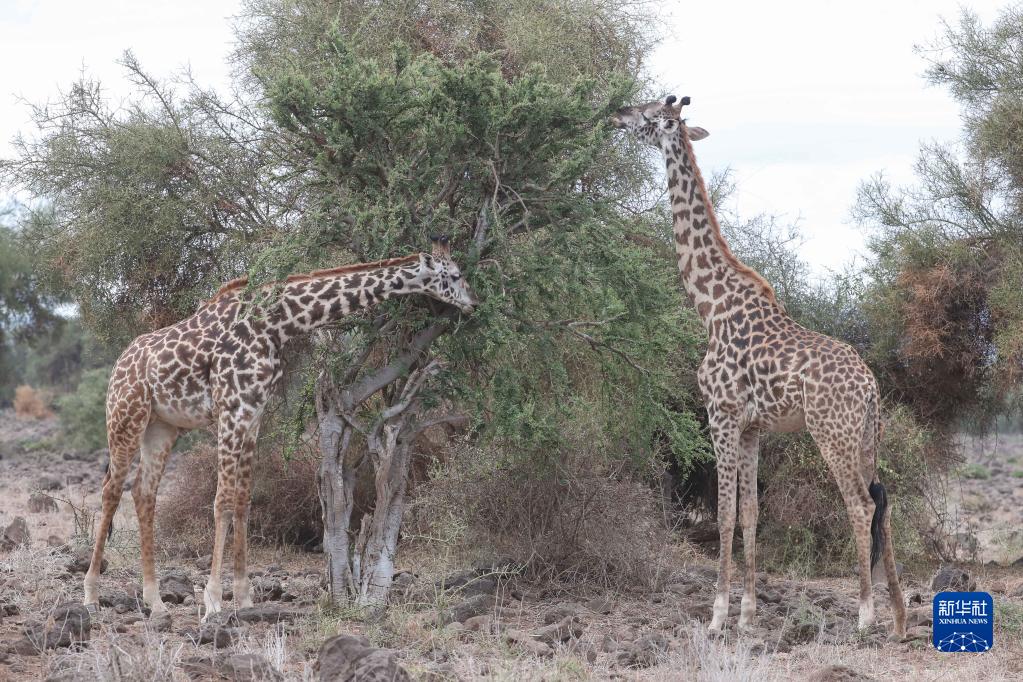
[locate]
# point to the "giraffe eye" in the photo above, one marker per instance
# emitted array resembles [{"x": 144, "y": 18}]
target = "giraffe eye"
[{"x": 456, "y": 277}]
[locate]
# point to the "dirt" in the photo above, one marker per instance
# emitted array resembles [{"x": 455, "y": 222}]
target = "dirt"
[{"x": 483, "y": 623}]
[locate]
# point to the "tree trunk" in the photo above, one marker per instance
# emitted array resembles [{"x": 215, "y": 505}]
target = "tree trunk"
[
  {"x": 362, "y": 572},
  {"x": 336, "y": 484}
]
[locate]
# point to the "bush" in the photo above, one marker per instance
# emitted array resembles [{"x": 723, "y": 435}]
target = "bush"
[
  {"x": 285, "y": 508},
  {"x": 28, "y": 404},
  {"x": 579, "y": 520},
  {"x": 83, "y": 415},
  {"x": 802, "y": 528}
]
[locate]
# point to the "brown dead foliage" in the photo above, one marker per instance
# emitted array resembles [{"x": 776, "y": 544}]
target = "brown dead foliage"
[
  {"x": 285, "y": 508},
  {"x": 577, "y": 520},
  {"x": 28, "y": 404}
]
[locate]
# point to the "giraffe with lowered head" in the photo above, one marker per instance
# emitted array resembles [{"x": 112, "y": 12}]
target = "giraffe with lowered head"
[
  {"x": 217, "y": 368},
  {"x": 765, "y": 373}
]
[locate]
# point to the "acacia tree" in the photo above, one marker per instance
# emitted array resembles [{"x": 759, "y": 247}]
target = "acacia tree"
[
  {"x": 361, "y": 128},
  {"x": 945, "y": 302}
]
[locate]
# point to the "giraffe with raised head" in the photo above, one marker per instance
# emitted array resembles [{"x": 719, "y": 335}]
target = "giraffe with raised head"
[
  {"x": 217, "y": 369},
  {"x": 765, "y": 373}
]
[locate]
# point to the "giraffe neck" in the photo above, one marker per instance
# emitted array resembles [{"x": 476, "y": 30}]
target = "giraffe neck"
[
  {"x": 716, "y": 281},
  {"x": 306, "y": 305}
]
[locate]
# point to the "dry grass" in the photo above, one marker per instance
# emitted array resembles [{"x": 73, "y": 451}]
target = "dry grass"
[
  {"x": 29, "y": 404},
  {"x": 285, "y": 508},
  {"x": 577, "y": 522}
]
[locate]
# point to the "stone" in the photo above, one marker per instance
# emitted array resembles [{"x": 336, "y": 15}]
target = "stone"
[
  {"x": 41, "y": 503},
  {"x": 601, "y": 605},
  {"x": 175, "y": 585},
  {"x": 559, "y": 612},
  {"x": 838, "y": 673},
  {"x": 80, "y": 560},
  {"x": 347, "y": 658},
  {"x": 266, "y": 589},
  {"x": 160, "y": 622},
  {"x": 267, "y": 613},
  {"x": 66, "y": 624},
  {"x": 219, "y": 635},
  {"x": 485, "y": 624},
  {"x": 474, "y": 606},
  {"x": 242, "y": 667},
  {"x": 16, "y": 534},
  {"x": 918, "y": 632},
  {"x": 47, "y": 482},
  {"x": 919, "y": 616},
  {"x": 525, "y": 642},
  {"x": 566, "y": 629},
  {"x": 953, "y": 579},
  {"x": 644, "y": 652}
]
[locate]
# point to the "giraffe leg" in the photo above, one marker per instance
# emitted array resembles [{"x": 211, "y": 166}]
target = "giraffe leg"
[
  {"x": 124, "y": 431},
  {"x": 222, "y": 512},
  {"x": 894, "y": 589},
  {"x": 844, "y": 463},
  {"x": 749, "y": 446},
  {"x": 243, "y": 493},
  {"x": 156, "y": 446},
  {"x": 726, "y": 439}
]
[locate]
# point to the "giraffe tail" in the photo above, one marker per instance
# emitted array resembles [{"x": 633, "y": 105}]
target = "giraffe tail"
[
  {"x": 880, "y": 497},
  {"x": 106, "y": 478}
]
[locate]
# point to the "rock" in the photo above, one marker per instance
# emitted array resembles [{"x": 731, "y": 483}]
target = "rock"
[
  {"x": 204, "y": 563},
  {"x": 526, "y": 643},
  {"x": 267, "y": 613},
  {"x": 601, "y": 605},
  {"x": 485, "y": 624},
  {"x": 474, "y": 606},
  {"x": 80, "y": 560},
  {"x": 40, "y": 503},
  {"x": 838, "y": 673},
  {"x": 566, "y": 629},
  {"x": 121, "y": 601},
  {"x": 683, "y": 589},
  {"x": 479, "y": 580},
  {"x": 919, "y": 616},
  {"x": 768, "y": 596},
  {"x": 219, "y": 635},
  {"x": 47, "y": 482},
  {"x": 559, "y": 612},
  {"x": 401, "y": 585},
  {"x": 347, "y": 658},
  {"x": 235, "y": 667},
  {"x": 265, "y": 588},
  {"x": 918, "y": 632},
  {"x": 55, "y": 542},
  {"x": 160, "y": 622},
  {"x": 175, "y": 585},
  {"x": 242, "y": 667},
  {"x": 644, "y": 652},
  {"x": 952, "y": 579},
  {"x": 16, "y": 534},
  {"x": 66, "y": 624}
]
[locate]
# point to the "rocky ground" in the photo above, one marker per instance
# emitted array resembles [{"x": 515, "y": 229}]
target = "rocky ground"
[{"x": 444, "y": 623}]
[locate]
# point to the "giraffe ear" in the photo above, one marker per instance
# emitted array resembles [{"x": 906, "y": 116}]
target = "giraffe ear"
[
  {"x": 696, "y": 133},
  {"x": 441, "y": 246}
]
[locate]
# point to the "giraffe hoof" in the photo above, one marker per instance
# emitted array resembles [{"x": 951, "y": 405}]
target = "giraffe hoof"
[{"x": 92, "y": 608}]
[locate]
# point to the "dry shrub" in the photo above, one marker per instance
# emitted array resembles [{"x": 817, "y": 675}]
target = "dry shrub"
[
  {"x": 802, "y": 528},
  {"x": 578, "y": 520},
  {"x": 28, "y": 404},
  {"x": 945, "y": 338},
  {"x": 285, "y": 508}
]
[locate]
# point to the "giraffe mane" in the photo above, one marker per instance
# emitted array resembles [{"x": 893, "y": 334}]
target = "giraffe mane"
[
  {"x": 242, "y": 282},
  {"x": 766, "y": 289}
]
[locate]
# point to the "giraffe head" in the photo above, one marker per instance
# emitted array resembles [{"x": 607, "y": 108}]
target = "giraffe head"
[
  {"x": 657, "y": 123},
  {"x": 439, "y": 277}
]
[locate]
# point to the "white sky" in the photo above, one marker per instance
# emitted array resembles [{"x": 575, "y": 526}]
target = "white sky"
[{"x": 804, "y": 99}]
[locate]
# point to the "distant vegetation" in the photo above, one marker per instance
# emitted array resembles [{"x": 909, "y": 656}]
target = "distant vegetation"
[{"x": 354, "y": 138}]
